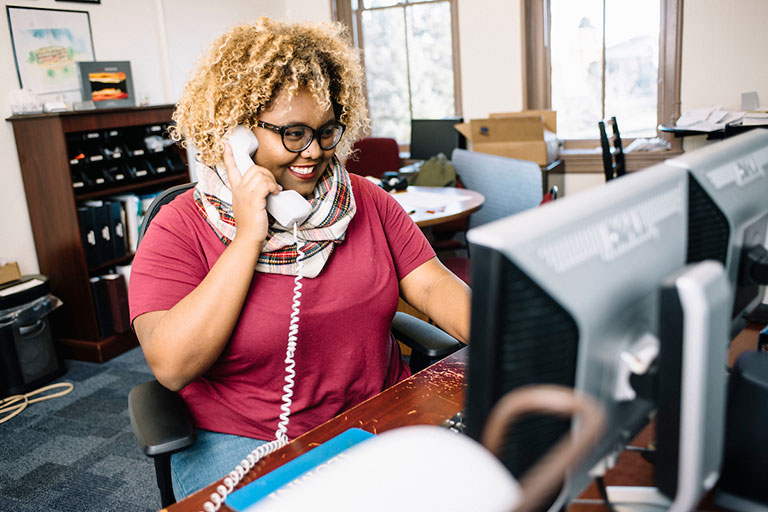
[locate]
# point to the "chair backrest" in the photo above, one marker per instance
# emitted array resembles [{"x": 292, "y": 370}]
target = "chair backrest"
[
  {"x": 613, "y": 157},
  {"x": 373, "y": 156},
  {"x": 165, "y": 197},
  {"x": 510, "y": 186}
]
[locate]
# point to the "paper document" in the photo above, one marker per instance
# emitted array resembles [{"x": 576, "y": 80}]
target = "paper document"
[
  {"x": 708, "y": 119},
  {"x": 643, "y": 144},
  {"x": 755, "y": 119},
  {"x": 428, "y": 200},
  {"x": 20, "y": 287}
]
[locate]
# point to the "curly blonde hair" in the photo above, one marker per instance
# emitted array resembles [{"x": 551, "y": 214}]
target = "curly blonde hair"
[{"x": 243, "y": 71}]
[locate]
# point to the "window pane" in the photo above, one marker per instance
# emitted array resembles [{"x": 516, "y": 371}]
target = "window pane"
[
  {"x": 431, "y": 62},
  {"x": 631, "y": 65},
  {"x": 379, "y": 3},
  {"x": 386, "y": 73},
  {"x": 576, "y": 59}
]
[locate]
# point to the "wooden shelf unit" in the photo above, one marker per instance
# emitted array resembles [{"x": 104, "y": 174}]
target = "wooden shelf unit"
[{"x": 41, "y": 142}]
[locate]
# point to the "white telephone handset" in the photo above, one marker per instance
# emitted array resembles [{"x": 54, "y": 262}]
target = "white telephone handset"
[{"x": 287, "y": 207}]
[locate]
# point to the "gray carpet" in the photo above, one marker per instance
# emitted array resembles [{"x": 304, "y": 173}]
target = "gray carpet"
[{"x": 77, "y": 452}]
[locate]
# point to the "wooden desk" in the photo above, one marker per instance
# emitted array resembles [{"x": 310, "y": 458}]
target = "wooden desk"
[
  {"x": 431, "y": 396},
  {"x": 428, "y": 397},
  {"x": 469, "y": 202}
]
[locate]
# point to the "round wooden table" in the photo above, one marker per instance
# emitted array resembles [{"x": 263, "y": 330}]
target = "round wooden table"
[{"x": 429, "y": 206}]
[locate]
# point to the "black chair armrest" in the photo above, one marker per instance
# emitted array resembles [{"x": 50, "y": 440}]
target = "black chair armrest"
[
  {"x": 428, "y": 342},
  {"x": 159, "y": 419}
]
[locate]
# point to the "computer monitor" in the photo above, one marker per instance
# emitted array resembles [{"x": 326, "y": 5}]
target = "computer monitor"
[
  {"x": 432, "y": 136},
  {"x": 728, "y": 214},
  {"x": 571, "y": 294}
]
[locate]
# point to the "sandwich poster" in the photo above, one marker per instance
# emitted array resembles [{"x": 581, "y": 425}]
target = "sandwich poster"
[
  {"x": 106, "y": 84},
  {"x": 47, "y": 44}
]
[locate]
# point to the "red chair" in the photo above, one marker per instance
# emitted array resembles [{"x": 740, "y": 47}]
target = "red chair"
[{"x": 373, "y": 156}]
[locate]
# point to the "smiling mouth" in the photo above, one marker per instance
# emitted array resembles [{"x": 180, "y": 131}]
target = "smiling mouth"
[{"x": 302, "y": 171}]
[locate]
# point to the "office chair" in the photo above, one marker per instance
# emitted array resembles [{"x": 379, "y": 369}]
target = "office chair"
[
  {"x": 159, "y": 417},
  {"x": 509, "y": 186},
  {"x": 373, "y": 156},
  {"x": 613, "y": 158}
]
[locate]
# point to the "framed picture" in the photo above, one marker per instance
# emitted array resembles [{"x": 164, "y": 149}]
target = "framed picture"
[
  {"x": 107, "y": 84},
  {"x": 47, "y": 44}
]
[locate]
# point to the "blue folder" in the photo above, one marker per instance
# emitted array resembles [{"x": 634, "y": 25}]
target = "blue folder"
[{"x": 243, "y": 498}]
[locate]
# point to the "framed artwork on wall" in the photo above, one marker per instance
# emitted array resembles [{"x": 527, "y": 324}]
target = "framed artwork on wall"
[
  {"x": 47, "y": 44},
  {"x": 107, "y": 84}
]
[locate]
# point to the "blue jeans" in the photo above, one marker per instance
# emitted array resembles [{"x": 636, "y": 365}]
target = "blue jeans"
[{"x": 213, "y": 456}]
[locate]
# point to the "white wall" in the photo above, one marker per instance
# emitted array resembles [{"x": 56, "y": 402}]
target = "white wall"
[
  {"x": 725, "y": 48},
  {"x": 491, "y": 59},
  {"x": 161, "y": 38},
  {"x": 191, "y": 25}
]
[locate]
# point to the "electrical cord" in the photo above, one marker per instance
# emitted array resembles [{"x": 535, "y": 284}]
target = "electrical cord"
[
  {"x": 14, "y": 404},
  {"x": 216, "y": 499},
  {"x": 600, "y": 481}
]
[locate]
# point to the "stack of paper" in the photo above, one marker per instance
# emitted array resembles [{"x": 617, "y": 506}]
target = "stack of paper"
[
  {"x": 708, "y": 119},
  {"x": 643, "y": 144},
  {"x": 755, "y": 118}
]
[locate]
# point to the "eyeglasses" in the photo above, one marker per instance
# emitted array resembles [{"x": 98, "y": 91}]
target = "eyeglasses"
[{"x": 298, "y": 137}]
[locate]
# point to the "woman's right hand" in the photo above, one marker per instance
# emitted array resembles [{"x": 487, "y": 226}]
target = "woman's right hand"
[{"x": 249, "y": 198}]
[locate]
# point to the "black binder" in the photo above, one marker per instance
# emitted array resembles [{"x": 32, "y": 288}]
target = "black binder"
[
  {"x": 117, "y": 228},
  {"x": 102, "y": 306},
  {"x": 104, "y": 242},
  {"x": 118, "y": 301},
  {"x": 88, "y": 233}
]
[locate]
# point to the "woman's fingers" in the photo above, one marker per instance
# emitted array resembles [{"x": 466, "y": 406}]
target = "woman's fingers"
[{"x": 233, "y": 173}]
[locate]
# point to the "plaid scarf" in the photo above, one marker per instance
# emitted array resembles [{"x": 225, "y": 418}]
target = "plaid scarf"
[{"x": 333, "y": 207}]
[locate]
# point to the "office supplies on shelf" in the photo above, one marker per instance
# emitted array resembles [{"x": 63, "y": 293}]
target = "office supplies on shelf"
[
  {"x": 75, "y": 165},
  {"x": 707, "y": 119}
]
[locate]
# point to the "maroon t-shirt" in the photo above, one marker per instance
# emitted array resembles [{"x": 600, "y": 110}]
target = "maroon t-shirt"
[{"x": 345, "y": 353}]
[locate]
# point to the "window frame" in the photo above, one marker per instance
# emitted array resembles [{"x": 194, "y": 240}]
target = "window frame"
[
  {"x": 537, "y": 71},
  {"x": 343, "y": 12}
]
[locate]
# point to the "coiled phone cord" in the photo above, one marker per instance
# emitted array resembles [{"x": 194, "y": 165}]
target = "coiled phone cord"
[{"x": 281, "y": 437}]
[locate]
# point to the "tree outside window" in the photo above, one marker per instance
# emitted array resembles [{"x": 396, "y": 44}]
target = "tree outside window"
[
  {"x": 605, "y": 62},
  {"x": 594, "y": 59},
  {"x": 410, "y": 63}
]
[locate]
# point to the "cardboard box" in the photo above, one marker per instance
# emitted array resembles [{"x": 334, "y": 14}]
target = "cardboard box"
[
  {"x": 548, "y": 117},
  {"x": 9, "y": 272},
  {"x": 512, "y": 134}
]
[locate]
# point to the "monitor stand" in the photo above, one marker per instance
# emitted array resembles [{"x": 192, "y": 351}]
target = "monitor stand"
[{"x": 690, "y": 416}]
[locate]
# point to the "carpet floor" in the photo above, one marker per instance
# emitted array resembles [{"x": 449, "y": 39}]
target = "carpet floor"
[{"x": 77, "y": 452}]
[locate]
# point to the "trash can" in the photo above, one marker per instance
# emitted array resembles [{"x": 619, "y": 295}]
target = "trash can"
[{"x": 28, "y": 354}]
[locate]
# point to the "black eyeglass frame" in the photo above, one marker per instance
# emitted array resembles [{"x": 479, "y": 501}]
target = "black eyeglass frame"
[{"x": 315, "y": 133}]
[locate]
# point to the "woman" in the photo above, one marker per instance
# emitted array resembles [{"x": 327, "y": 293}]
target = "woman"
[{"x": 217, "y": 331}]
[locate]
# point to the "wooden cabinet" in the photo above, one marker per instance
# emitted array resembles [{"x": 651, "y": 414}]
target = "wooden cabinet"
[{"x": 45, "y": 145}]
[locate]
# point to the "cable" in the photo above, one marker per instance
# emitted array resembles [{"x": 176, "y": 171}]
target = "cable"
[
  {"x": 14, "y": 404},
  {"x": 281, "y": 434},
  {"x": 600, "y": 481}
]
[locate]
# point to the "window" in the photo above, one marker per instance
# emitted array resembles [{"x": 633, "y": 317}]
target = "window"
[
  {"x": 604, "y": 58},
  {"x": 410, "y": 57}
]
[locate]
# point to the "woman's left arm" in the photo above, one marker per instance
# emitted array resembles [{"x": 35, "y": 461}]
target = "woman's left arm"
[{"x": 438, "y": 293}]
